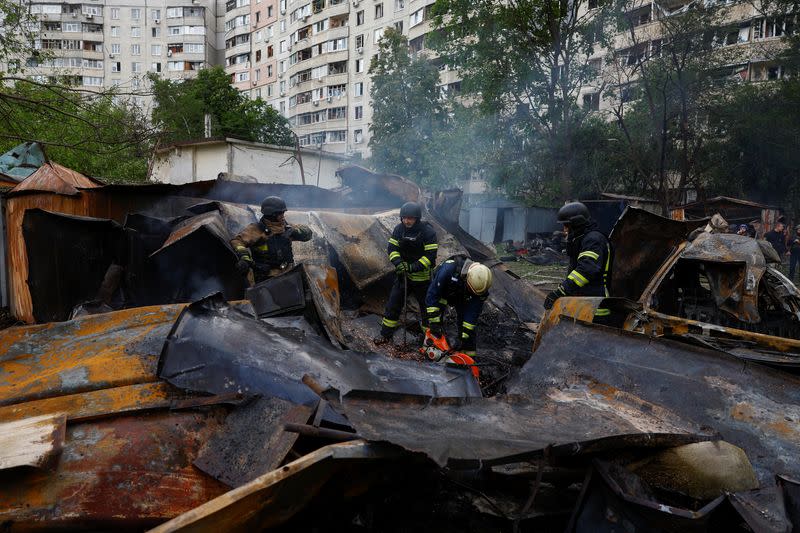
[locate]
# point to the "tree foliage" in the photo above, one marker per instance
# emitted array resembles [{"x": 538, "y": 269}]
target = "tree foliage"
[
  {"x": 407, "y": 113},
  {"x": 181, "y": 108},
  {"x": 525, "y": 62},
  {"x": 91, "y": 133}
]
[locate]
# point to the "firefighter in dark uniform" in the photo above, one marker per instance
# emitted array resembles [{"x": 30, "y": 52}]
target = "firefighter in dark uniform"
[
  {"x": 590, "y": 259},
  {"x": 412, "y": 250},
  {"x": 463, "y": 284},
  {"x": 266, "y": 246}
]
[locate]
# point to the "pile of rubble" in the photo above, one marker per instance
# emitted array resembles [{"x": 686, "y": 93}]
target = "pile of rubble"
[{"x": 277, "y": 411}]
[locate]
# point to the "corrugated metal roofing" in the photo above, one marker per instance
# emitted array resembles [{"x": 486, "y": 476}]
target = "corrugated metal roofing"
[{"x": 55, "y": 178}]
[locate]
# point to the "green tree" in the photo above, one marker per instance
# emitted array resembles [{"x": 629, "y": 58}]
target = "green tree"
[
  {"x": 666, "y": 80},
  {"x": 524, "y": 63},
  {"x": 407, "y": 112},
  {"x": 91, "y": 133},
  {"x": 181, "y": 108}
]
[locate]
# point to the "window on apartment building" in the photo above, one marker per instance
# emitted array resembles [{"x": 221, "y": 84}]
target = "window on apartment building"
[
  {"x": 360, "y": 18},
  {"x": 114, "y": 13},
  {"x": 283, "y": 6},
  {"x": 271, "y": 31},
  {"x": 417, "y": 17},
  {"x": 258, "y": 17},
  {"x": 282, "y": 107},
  {"x": 378, "y": 11},
  {"x": 114, "y": 31},
  {"x": 399, "y": 26},
  {"x": 136, "y": 66},
  {"x": 269, "y": 12},
  {"x": 283, "y": 87},
  {"x": 591, "y": 101},
  {"x": 282, "y": 65},
  {"x": 136, "y": 31},
  {"x": 155, "y": 14},
  {"x": 156, "y": 32},
  {"x": 92, "y": 81},
  {"x": 115, "y": 48},
  {"x": 270, "y": 51},
  {"x": 359, "y": 65},
  {"x": 360, "y": 41},
  {"x": 283, "y": 46},
  {"x": 269, "y": 71},
  {"x": 175, "y": 30},
  {"x": 194, "y": 48},
  {"x": 376, "y": 37},
  {"x": 116, "y": 66},
  {"x": 399, "y": 5},
  {"x": 283, "y": 25},
  {"x": 136, "y": 13},
  {"x": 358, "y": 89},
  {"x": 358, "y": 136},
  {"x": 155, "y": 67},
  {"x": 258, "y": 74},
  {"x": 258, "y": 56},
  {"x": 155, "y": 49},
  {"x": 359, "y": 112},
  {"x": 270, "y": 89},
  {"x": 595, "y": 67},
  {"x": 774, "y": 72},
  {"x": 136, "y": 49}
]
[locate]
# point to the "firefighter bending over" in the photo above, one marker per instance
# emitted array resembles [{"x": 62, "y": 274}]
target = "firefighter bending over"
[
  {"x": 463, "y": 284},
  {"x": 266, "y": 246},
  {"x": 589, "y": 259},
  {"x": 412, "y": 250}
]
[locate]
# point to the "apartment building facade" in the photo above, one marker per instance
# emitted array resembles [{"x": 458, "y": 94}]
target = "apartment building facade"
[
  {"x": 100, "y": 44},
  {"x": 747, "y": 40},
  {"x": 310, "y": 59}
]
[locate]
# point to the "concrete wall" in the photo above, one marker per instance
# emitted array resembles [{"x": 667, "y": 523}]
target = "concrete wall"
[{"x": 249, "y": 162}]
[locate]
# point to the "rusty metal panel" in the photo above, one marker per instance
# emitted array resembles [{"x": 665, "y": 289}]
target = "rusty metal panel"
[
  {"x": 55, "y": 178},
  {"x": 88, "y": 353},
  {"x": 96, "y": 404},
  {"x": 126, "y": 472},
  {"x": 571, "y": 418},
  {"x": 750, "y": 406}
]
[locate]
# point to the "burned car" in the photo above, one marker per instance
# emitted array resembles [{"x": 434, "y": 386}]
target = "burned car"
[{"x": 678, "y": 280}]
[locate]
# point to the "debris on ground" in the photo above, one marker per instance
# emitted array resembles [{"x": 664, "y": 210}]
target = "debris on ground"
[{"x": 159, "y": 391}]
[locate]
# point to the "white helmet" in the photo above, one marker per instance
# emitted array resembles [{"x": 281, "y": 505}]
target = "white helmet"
[{"x": 479, "y": 278}]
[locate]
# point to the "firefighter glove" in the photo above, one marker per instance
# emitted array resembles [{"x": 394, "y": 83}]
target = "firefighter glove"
[
  {"x": 551, "y": 298},
  {"x": 401, "y": 268},
  {"x": 243, "y": 266}
]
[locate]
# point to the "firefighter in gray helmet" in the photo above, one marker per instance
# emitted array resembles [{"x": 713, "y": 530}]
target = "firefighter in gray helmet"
[
  {"x": 589, "y": 259},
  {"x": 412, "y": 249},
  {"x": 266, "y": 246}
]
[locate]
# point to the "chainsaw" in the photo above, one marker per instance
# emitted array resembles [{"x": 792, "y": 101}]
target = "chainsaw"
[{"x": 438, "y": 350}]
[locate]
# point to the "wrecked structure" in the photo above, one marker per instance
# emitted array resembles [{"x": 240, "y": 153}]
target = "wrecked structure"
[{"x": 178, "y": 399}]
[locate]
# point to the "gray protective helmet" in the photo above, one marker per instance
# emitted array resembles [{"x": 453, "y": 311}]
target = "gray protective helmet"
[
  {"x": 411, "y": 209},
  {"x": 574, "y": 214},
  {"x": 273, "y": 206}
]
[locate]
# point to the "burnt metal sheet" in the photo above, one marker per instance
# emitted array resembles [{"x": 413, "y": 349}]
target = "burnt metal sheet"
[
  {"x": 197, "y": 260},
  {"x": 277, "y": 295},
  {"x": 128, "y": 472},
  {"x": 750, "y": 406},
  {"x": 68, "y": 257},
  {"x": 251, "y": 441},
  {"x": 360, "y": 244},
  {"x": 468, "y": 432},
  {"x": 323, "y": 284},
  {"x": 615, "y": 500},
  {"x": 364, "y": 187},
  {"x": 218, "y": 349},
  {"x": 642, "y": 241},
  {"x": 235, "y": 217}
]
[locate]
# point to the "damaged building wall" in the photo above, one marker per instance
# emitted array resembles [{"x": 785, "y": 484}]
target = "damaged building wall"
[
  {"x": 112, "y": 203},
  {"x": 246, "y": 162}
]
